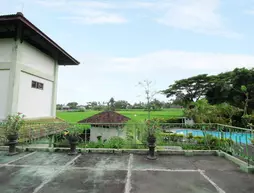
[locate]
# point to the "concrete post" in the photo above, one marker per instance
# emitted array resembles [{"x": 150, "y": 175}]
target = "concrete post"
[
  {"x": 54, "y": 93},
  {"x": 14, "y": 79}
]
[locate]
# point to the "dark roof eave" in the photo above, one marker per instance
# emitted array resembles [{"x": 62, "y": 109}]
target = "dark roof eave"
[{"x": 38, "y": 31}]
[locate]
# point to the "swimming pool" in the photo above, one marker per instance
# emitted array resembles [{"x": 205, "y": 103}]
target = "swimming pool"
[{"x": 236, "y": 137}]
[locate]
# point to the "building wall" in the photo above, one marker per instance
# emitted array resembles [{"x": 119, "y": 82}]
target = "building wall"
[
  {"x": 35, "y": 103},
  {"x": 36, "y": 66},
  {"x": 4, "y": 87},
  {"x": 34, "y": 58},
  {"x": 106, "y": 133},
  {"x": 6, "y": 50},
  {"x": 25, "y": 63}
]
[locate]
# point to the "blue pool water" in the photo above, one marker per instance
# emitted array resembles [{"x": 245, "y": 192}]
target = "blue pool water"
[{"x": 236, "y": 137}]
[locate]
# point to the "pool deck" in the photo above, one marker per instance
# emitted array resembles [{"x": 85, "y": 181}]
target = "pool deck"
[{"x": 45, "y": 172}]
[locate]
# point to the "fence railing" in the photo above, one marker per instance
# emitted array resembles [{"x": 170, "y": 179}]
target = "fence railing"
[{"x": 234, "y": 140}]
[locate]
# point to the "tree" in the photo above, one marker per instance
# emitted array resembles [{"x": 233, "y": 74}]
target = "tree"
[
  {"x": 190, "y": 89},
  {"x": 111, "y": 104},
  {"x": 139, "y": 105},
  {"x": 228, "y": 110},
  {"x": 59, "y": 106},
  {"x": 149, "y": 94},
  {"x": 73, "y": 105},
  {"x": 180, "y": 100},
  {"x": 229, "y": 87},
  {"x": 156, "y": 104},
  {"x": 121, "y": 104}
]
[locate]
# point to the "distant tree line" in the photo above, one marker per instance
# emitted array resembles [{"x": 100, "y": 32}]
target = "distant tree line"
[{"x": 113, "y": 104}]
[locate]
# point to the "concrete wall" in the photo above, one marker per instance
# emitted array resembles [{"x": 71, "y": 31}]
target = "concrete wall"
[
  {"x": 4, "y": 87},
  {"x": 34, "y": 58},
  {"x": 34, "y": 103},
  {"x": 106, "y": 133},
  {"x": 26, "y": 63},
  {"x": 6, "y": 50}
]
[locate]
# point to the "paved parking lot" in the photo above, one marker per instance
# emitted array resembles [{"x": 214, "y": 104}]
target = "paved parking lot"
[{"x": 45, "y": 172}]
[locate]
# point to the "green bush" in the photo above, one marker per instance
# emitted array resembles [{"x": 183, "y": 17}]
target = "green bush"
[
  {"x": 115, "y": 142},
  {"x": 175, "y": 137},
  {"x": 189, "y": 136},
  {"x": 92, "y": 144},
  {"x": 169, "y": 120},
  {"x": 252, "y": 141}
]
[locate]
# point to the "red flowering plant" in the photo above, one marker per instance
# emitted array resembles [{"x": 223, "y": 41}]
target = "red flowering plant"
[{"x": 13, "y": 124}]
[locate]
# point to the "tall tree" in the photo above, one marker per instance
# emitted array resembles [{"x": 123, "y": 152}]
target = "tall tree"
[
  {"x": 190, "y": 89},
  {"x": 111, "y": 104}
]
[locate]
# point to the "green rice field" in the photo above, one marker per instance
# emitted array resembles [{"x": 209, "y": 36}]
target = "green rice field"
[{"x": 133, "y": 114}]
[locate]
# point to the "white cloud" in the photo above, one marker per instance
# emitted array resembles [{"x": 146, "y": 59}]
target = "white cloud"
[
  {"x": 200, "y": 16},
  {"x": 101, "y": 77},
  {"x": 85, "y": 12}
]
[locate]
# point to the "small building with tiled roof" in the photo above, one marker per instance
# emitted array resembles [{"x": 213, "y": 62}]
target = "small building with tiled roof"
[{"x": 106, "y": 124}]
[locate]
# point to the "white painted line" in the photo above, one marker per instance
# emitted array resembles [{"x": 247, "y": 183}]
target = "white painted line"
[
  {"x": 70, "y": 162},
  {"x": 212, "y": 182},
  {"x": 127, "y": 188},
  {"x": 166, "y": 170},
  {"x": 20, "y": 158},
  {"x": 95, "y": 169},
  {"x": 56, "y": 174}
]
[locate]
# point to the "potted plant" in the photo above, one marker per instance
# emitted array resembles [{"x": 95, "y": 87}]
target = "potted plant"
[
  {"x": 12, "y": 125},
  {"x": 73, "y": 136},
  {"x": 151, "y": 139}
]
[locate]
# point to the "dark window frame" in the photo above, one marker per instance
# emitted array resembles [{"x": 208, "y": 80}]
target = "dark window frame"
[{"x": 37, "y": 85}]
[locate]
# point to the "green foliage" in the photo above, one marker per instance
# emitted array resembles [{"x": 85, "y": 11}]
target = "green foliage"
[
  {"x": 244, "y": 88},
  {"x": 92, "y": 144},
  {"x": 72, "y": 105},
  {"x": 75, "y": 130},
  {"x": 195, "y": 88},
  {"x": 167, "y": 120},
  {"x": 203, "y": 112},
  {"x": 252, "y": 141},
  {"x": 189, "y": 136},
  {"x": 174, "y": 137},
  {"x": 13, "y": 124},
  {"x": 115, "y": 142}
]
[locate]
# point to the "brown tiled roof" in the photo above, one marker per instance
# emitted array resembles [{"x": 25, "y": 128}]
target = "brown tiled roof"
[
  {"x": 13, "y": 23},
  {"x": 106, "y": 117}
]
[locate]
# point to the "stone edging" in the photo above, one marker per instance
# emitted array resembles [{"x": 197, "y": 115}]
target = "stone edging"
[{"x": 243, "y": 165}]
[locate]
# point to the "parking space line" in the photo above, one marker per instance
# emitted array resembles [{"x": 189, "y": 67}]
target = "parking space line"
[
  {"x": 38, "y": 188},
  {"x": 20, "y": 158},
  {"x": 219, "y": 190},
  {"x": 165, "y": 170},
  {"x": 127, "y": 188}
]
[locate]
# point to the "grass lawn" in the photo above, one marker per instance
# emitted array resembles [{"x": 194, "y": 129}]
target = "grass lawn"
[{"x": 133, "y": 114}]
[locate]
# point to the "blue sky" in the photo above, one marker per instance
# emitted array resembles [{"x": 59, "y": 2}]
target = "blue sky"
[{"x": 122, "y": 42}]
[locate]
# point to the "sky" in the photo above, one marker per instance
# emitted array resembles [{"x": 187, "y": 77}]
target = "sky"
[{"x": 122, "y": 42}]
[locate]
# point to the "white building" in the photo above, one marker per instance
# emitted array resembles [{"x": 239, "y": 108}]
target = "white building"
[
  {"x": 105, "y": 125},
  {"x": 29, "y": 62}
]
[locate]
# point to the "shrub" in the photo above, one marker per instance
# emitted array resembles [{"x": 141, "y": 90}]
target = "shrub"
[
  {"x": 169, "y": 120},
  {"x": 175, "y": 137},
  {"x": 189, "y": 136},
  {"x": 115, "y": 142},
  {"x": 91, "y": 144}
]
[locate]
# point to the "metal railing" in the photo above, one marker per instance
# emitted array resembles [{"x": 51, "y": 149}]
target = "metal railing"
[{"x": 234, "y": 140}]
